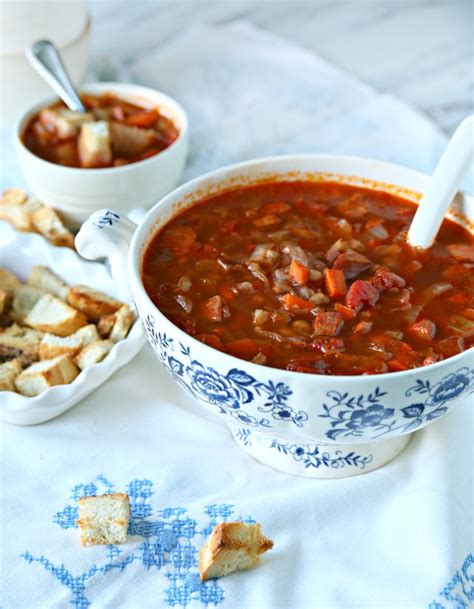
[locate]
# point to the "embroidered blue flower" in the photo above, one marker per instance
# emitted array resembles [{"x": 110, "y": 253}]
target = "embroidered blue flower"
[
  {"x": 450, "y": 387},
  {"x": 370, "y": 417}
]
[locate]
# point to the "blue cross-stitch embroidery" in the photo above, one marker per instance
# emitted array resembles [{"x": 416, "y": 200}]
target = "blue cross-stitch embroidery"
[
  {"x": 459, "y": 591},
  {"x": 172, "y": 540}
]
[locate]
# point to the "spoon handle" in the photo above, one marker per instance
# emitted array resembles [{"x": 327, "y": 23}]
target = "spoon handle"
[
  {"x": 44, "y": 57},
  {"x": 443, "y": 186}
]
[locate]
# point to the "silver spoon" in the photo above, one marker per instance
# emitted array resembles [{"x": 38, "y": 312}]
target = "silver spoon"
[{"x": 46, "y": 60}]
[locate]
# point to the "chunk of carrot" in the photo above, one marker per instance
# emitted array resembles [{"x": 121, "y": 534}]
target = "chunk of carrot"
[
  {"x": 144, "y": 119},
  {"x": 291, "y": 302},
  {"x": 335, "y": 283},
  {"x": 299, "y": 272},
  {"x": 345, "y": 311},
  {"x": 277, "y": 207},
  {"x": 244, "y": 347}
]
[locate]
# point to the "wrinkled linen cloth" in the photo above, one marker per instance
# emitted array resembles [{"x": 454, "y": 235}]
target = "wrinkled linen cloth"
[{"x": 398, "y": 537}]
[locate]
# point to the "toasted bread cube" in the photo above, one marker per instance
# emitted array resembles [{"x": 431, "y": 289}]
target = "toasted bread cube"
[
  {"x": 103, "y": 519},
  {"x": 123, "y": 321},
  {"x": 88, "y": 334},
  {"x": 43, "y": 278},
  {"x": 232, "y": 546},
  {"x": 17, "y": 216},
  {"x": 13, "y": 196},
  {"x": 91, "y": 302},
  {"x": 94, "y": 144},
  {"x": 50, "y": 314},
  {"x": 20, "y": 342},
  {"x": 105, "y": 324},
  {"x": 128, "y": 140},
  {"x": 64, "y": 122},
  {"x": 24, "y": 299},
  {"x": 47, "y": 222},
  {"x": 5, "y": 301},
  {"x": 53, "y": 346},
  {"x": 8, "y": 373},
  {"x": 94, "y": 353},
  {"x": 8, "y": 281},
  {"x": 43, "y": 375}
]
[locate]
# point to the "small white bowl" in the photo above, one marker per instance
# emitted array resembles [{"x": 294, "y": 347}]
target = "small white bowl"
[
  {"x": 79, "y": 192},
  {"x": 21, "y": 251}
]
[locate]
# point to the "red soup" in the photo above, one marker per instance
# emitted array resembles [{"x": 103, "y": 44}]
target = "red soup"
[
  {"x": 113, "y": 132},
  {"x": 314, "y": 277}
]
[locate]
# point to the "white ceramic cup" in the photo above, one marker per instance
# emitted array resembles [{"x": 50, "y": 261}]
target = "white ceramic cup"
[
  {"x": 309, "y": 425},
  {"x": 79, "y": 192}
]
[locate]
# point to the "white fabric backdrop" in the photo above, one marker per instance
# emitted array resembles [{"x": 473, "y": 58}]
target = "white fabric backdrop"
[{"x": 398, "y": 537}]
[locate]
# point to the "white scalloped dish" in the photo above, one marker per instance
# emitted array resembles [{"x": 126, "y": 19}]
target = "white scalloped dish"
[{"x": 18, "y": 253}]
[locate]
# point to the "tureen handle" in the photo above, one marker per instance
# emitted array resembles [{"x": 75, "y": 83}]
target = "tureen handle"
[{"x": 107, "y": 234}]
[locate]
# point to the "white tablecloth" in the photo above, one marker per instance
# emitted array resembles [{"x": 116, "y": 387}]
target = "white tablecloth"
[{"x": 398, "y": 537}]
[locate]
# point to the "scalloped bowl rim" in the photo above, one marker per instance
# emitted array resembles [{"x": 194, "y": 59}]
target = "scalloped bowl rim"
[{"x": 135, "y": 262}]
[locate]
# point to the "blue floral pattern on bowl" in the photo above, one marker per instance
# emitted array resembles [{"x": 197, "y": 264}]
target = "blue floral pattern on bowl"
[
  {"x": 229, "y": 392},
  {"x": 351, "y": 415},
  {"x": 310, "y": 455}
]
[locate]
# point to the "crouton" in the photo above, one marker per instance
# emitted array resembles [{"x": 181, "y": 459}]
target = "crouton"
[
  {"x": 94, "y": 144},
  {"x": 88, "y": 334},
  {"x": 16, "y": 341},
  {"x": 93, "y": 353},
  {"x": 64, "y": 122},
  {"x": 24, "y": 299},
  {"x": 43, "y": 375},
  {"x": 128, "y": 141},
  {"x": 5, "y": 301},
  {"x": 123, "y": 321},
  {"x": 43, "y": 278},
  {"x": 13, "y": 196},
  {"x": 232, "y": 546},
  {"x": 52, "y": 315},
  {"x": 8, "y": 281},
  {"x": 17, "y": 216},
  {"x": 91, "y": 302},
  {"x": 103, "y": 519},
  {"x": 105, "y": 324},
  {"x": 53, "y": 346},
  {"x": 47, "y": 222},
  {"x": 8, "y": 373}
]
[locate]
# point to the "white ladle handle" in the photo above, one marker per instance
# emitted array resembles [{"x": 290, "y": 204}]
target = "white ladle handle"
[{"x": 443, "y": 186}]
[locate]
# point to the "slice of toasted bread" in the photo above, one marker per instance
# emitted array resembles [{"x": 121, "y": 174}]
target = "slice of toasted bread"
[
  {"x": 123, "y": 321},
  {"x": 8, "y": 281},
  {"x": 88, "y": 334},
  {"x": 103, "y": 519},
  {"x": 232, "y": 546},
  {"x": 94, "y": 353},
  {"x": 17, "y": 216},
  {"x": 91, "y": 302},
  {"x": 8, "y": 373},
  {"x": 53, "y": 346},
  {"x": 43, "y": 278},
  {"x": 24, "y": 299},
  {"x": 50, "y": 314},
  {"x": 47, "y": 222},
  {"x": 13, "y": 196},
  {"x": 105, "y": 324},
  {"x": 5, "y": 301},
  {"x": 16, "y": 341},
  {"x": 43, "y": 375},
  {"x": 94, "y": 144}
]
